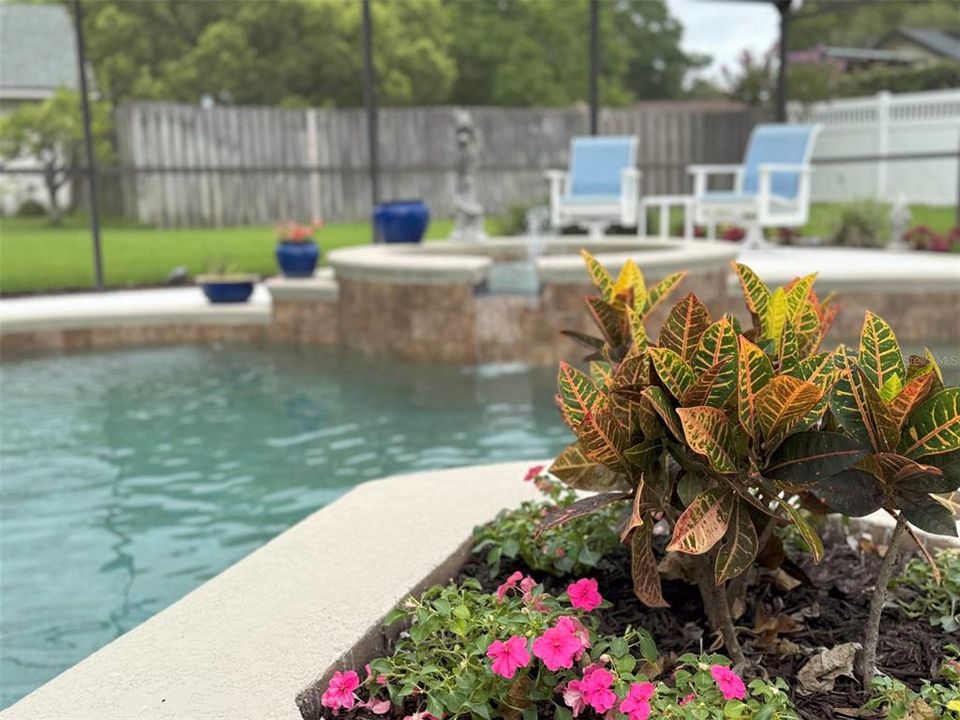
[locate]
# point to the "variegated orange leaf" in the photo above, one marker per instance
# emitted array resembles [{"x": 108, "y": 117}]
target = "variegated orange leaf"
[
  {"x": 703, "y": 522},
  {"x": 578, "y": 394},
  {"x": 879, "y": 356},
  {"x": 611, "y": 320},
  {"x": 658, "y": 292},
  {"x": 798, "y": 295},
  {"x": 599, "y": 275},
  {"x": 718, "y": 345},
  {"x": 657, "y": 400},
  {"x": 646, "y": 577},
  {"x": 673, "y": 371},
  {"x": 740, "y": 545},
  {"x": 710, "y": 432},
  {"x": 784, "y": 400},
  {"x": 756, "y": 295},
  {"x": 604, "y": 439},
  {"x": 630, "y": 280},
  {"x": 580, "y": 472},
  {"x": 565, "y": 513},
  {"x": 684, "y": 326},
  {"x": 754, "y": 371},
  {"x": 912, "y": 394},
  {"x": 788, "y": 351},
  {"x": 934, "y": 427}
]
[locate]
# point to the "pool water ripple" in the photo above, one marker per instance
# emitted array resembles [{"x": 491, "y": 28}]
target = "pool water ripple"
[{"x": 129, "y": 477}]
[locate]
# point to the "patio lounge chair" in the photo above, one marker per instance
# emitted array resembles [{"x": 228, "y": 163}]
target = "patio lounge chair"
[
  {"x": 602, "y": 186},
  {"x": 771, "y": 188}
]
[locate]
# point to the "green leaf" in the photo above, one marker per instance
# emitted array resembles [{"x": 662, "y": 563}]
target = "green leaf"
[
  {"x": 853, "y": 492},
  {"x": 776, "y": 315},
  {"x": 684, "y": 327},
  {"x": 659, "y": 291},
  {"x": 644, "y": 455},
  {"x": 788, "y": 352},
  {"x": 850, "y": 402},
  {"x": 879, "y": 356},
  {"x": 808, "y": 534},
  {"x": 657, "y": 399},
  {"x": 580, "y": 472},
  {"x": 807, "y": 457},
  {"x": 702, "y": 388},
  {"x": 740, "y": 546},
  {"x": 600, "y": 276},
  {"x": 949, "y": 465},
  {"x": 689, "y": 485},
  {"x": 578, "y": 394},
  {"x": 909, "y": 398},
  {"x": 703, "y": 523},
  {"x": 673, "y": 371},
  {"x": 603, "y": 439},
  {"x": 755, "y": 293},
  {"x": 934, "y": 427},
  {"x": 924, "y": 512},
  {"x": 754, "y": 371},
  {"x": 709, "y": 432},
  {"x": 718, "y": 346}
]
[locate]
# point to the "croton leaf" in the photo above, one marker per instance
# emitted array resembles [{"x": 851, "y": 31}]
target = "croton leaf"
[
  {"x": 611, "y": 320},
  {"x": 710, "y": 432},
  {"x": 643, "y": 455},
  {"x": 580, "y": 472},
  {"x": 788, "y": 351},
  {"x": 899, "y": 470},
  {"x": 690, "y": 484},
  {"x": 658, "y": 292},
  {"x": 703, "y": 523},
  {"x": 853, "y": 492},
  {"x": 638, "y": 332},
  {"x": 807, "y": 457},
  {"x": 934, "y": 427},
  {"x": 633, "y": 370},
  {"x": 740, "y": 545},
  {"x": 629, "y": 280},
  {"x": 909, "y": 397},
  {"x": 702, "y": 388},
  {"x": 806, "y": 531},
  {"x": 879, "y": 418},
  {"x": 809, "y": 329},
  {"x": 754, "y": 371},
  {"x": 684, "y": 327},
  {"x": 646, "y": 577},
  {"x": 718, "y": 345},
  {"x": 784, "y": 400},
  {"x": 562, "y": 514},
  {"x": 949, "y": 464},
  {"x": 603, "y": 438},
  {"x": 578, "y": 394},
  {"x": 673, "y": 371},
  {"x": 776, "y": 315},
  {"x": 601, "y": 373},
  {"x": 658, "y": 401},
  {"x": 798, "y": 295},
  {"x": 879, "y": 356},
  {"x": 891, "y": 388},
  {"x": 600, "y": 276},
  {"x": 922, "y": 511},
  {"x": 849, "y": 401},
  {"x": 756, "y": 295}
]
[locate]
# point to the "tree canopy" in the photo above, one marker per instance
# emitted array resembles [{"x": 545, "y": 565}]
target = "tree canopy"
[{"x": 309, "y": 52}]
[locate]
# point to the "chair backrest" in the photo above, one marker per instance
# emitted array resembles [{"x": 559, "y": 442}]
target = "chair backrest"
[
  {"x": 777, "y": 143},
  {"x": 597, "y": 163}
]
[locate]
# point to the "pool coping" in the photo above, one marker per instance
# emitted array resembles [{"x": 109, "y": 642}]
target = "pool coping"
[{"x": 246, "y": 643}]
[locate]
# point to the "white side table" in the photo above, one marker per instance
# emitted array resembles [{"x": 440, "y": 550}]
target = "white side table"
[{"x": 665, "y": 202}]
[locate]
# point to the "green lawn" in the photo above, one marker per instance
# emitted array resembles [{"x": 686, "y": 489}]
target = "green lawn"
[
  {"x": 35, "y": 256},
  {"x": 939, "y": 219}
]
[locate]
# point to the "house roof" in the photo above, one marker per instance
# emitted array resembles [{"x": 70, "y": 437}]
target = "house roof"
[
  {"x": 937, "y": 41},
  {"x": 38, "y": 50}
]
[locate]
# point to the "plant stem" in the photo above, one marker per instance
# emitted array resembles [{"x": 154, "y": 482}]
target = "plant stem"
[
  {"x": 718, "y": 610},
  {"x": 868, "y": 659}
]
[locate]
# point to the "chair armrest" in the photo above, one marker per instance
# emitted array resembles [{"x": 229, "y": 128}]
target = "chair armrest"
[
  {"x": 558, "y": 186},
  {"x": 702, "y": 172},
  {"x": 765, "y": 194},
  {"x": 629, "y": 195},
  {"x": 554, "y": 175},
  {"x": 782, "y": 167}
]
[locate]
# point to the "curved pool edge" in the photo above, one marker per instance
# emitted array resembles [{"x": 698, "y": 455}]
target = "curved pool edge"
[{"x": 248, "y": 642}]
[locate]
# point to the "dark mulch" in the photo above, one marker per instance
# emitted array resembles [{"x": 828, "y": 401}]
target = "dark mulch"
[{"x": 829, "y": 608}]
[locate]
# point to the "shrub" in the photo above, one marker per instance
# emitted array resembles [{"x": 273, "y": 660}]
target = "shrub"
[
  {"x": 575, "y": 548},
  {"x": 895, "y": 701},
  {"x": 520, "y": 653},
  {"x": 862, "y": 223},
  {"x": 923, "y": 237},
  {"x": 932, "y": 592},
  {"x": 31, "y": 208}
]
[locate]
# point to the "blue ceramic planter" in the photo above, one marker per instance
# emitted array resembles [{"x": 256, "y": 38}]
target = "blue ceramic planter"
[
  {"x": 401, "y": 221},
  {"x": 227, "y": 291},
  {"x": 297, "y": 259}
]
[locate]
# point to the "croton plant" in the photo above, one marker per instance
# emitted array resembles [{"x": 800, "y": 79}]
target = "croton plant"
[{"x": 726, "y": 432}]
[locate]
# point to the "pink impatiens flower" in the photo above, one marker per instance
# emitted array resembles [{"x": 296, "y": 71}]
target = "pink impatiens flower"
[
  {"x": 584, "y": 594},
  {"x": 339, "y": 693},
  {"x": 533, "y": 473},
  {"x": 636, "y": 705},
  {"x": 688, "y": 698},
  {"x": 595, "y": 688},
  {"x": 574, "y": 698},
  {"x": 509, "y": 584},
  {"x": 527, "y": 585},
  {"x": 377, "y": 707},
  {"x": 576, "y": 628},
  {"x": 509, "y": 656},
  {"x": 558, "y": 646},
  {"x": 729, "y": 682}
]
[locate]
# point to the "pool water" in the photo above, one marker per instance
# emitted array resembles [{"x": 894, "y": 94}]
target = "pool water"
[{"x": 128, "y": 478}]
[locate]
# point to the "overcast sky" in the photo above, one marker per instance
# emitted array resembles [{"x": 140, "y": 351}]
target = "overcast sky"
[{"x": 722, "y": 28}]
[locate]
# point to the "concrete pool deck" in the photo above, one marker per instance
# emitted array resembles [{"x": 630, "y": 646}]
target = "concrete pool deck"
[{"x": 430, "y": 303}]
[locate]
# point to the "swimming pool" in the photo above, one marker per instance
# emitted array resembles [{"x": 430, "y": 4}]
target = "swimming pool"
[{"x": 128, "y": 478}]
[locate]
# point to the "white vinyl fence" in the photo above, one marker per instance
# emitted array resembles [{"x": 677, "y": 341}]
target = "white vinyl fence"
[{"x": 885, "y": 124}]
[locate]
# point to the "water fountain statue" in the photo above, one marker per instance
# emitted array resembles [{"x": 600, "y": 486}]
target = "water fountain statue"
[
  {"x": 468, "y": 212},
  {"x": 899, "y": 221}
]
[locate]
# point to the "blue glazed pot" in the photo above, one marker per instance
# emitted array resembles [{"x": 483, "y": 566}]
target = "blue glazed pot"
[
  {"x": 297, "y": 258},
  {"x": 228, "y": 290},
  {"x": 401, "y": 221}
]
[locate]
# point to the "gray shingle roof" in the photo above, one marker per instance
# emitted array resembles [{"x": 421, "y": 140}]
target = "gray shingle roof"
[
  {"x": 37, "y": 47},
  {"x": 938, "y": 41}
]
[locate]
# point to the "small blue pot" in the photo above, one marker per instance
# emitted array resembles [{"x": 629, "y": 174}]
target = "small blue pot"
[
  {"x": 401, "y": 221},
  {"x": 227, "y": 291},
  {"x": 297, "y": 259}
]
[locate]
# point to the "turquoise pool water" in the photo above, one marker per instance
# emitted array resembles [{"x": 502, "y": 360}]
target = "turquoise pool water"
[{"x": 128, "y": 478}]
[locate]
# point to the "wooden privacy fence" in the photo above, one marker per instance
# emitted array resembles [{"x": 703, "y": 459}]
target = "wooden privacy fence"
[{"x": 183, "y": 165}]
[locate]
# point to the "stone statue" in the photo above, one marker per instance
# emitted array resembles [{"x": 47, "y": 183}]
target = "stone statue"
[
  {"x": 468, "y": 212},
  {"x": 899, "y": 221}
]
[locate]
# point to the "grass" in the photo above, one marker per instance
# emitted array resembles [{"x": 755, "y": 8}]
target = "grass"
[{"x": 35, "y": 256}]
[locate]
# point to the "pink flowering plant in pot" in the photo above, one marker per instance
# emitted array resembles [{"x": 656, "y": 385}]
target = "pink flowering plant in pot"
[{"x": 519, "y": 652}]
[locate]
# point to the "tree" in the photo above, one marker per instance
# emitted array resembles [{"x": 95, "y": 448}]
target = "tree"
[
  {"x": 52, "y": 132},
  {"x": 753, "y": 80}
]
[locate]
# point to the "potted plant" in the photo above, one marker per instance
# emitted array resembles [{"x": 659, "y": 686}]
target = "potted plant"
[
  {"x": 401, "y": 221},
  {"x": 297, "y": 252},
  {"x": 222, "y": 283}
]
